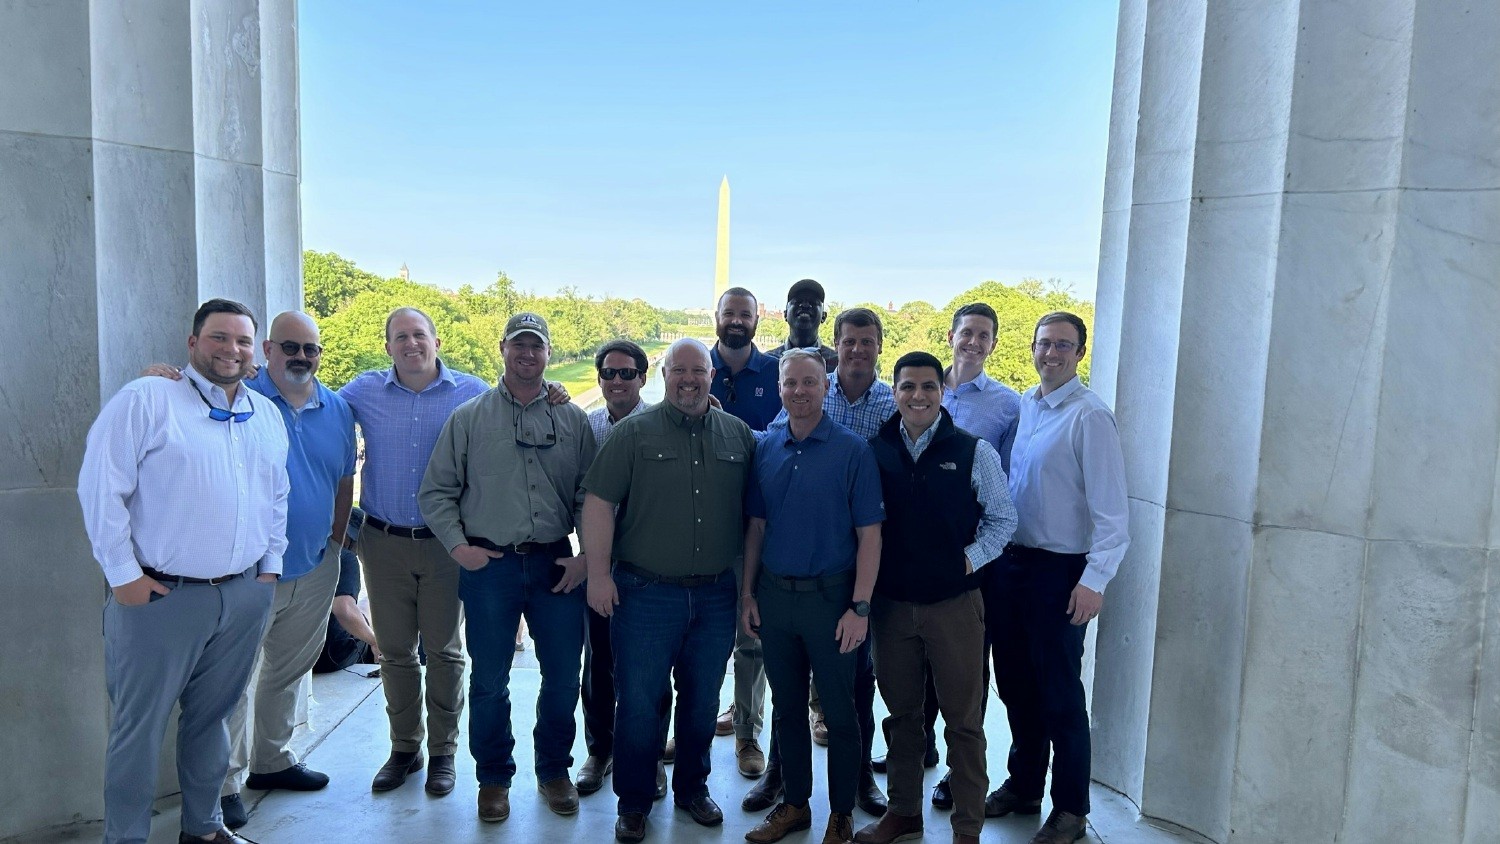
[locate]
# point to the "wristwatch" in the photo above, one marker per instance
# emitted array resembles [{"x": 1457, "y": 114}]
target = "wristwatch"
[{"x": 861, "y": 608}]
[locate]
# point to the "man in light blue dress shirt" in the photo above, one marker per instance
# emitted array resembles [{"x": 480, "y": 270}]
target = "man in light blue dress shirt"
[
  {"x": 1067, "y": 480},
  {"x": 184, "y": 494}
]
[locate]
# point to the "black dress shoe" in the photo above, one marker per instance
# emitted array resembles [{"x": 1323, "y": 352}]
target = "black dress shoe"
[
  {"x": 878, "y": 764},
  {"x": 661, "y": 780},
  {"x": 441, "y": 776},
  {"x": 942, "y": 795},
  {"x": 630, "y": 827},
  {"x": 766, "y": 793},
  {"x": 393, "y": 773},
  {"x": 299, "y": 777},
  {"x": 869, "y": 797},
  {"x": 233, "y": 809},
  {"x": 1002, "y": 801},
  {"x": 704, "y": 810}
]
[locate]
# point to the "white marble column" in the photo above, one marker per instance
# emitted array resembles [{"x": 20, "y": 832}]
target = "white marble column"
[
  {"x": 1308, "y": 643},
  {"x": 148, "y": 160}
]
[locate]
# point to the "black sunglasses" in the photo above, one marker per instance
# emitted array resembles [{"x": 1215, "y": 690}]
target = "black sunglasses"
[
  {"x": 551, "y": 438},
  {"x": 626, "y": 373},
  {"x": 290, "y": 349},
  {"x": 219, "y": 414},
  {"x": 729, "y": 383}
]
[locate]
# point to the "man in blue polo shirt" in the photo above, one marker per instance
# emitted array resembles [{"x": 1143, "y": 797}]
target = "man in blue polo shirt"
[
  {"x": 812, "y": 553},
  {"x": 745, "y": 383}
]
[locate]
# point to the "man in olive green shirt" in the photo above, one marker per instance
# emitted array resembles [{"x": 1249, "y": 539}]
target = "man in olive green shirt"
[
  {"x": 501, "y": 492},
  {"x": 678, "y": 473}
]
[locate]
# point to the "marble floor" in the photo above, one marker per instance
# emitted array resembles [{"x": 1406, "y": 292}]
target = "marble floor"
[{"x": 347, "y": 739}]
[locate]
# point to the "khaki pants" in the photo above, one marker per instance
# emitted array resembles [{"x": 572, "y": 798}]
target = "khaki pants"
[
  {"x": 413, "y": 586},
  {"x": 261, "y": 726},
  {"x": 949, "y": 636}
]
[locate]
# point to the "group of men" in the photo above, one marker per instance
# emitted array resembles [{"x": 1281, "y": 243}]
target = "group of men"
[{"x": 789, "y": 509}]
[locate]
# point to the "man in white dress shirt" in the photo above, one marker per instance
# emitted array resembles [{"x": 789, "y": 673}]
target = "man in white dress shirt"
[
  {"x": 184, "y": 490},
  {"x": 1067, "y": 479}
]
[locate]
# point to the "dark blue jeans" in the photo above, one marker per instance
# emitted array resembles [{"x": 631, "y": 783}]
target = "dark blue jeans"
[
  {"x": 494, "y": 599},
  {"x": 660, "y": 631}
]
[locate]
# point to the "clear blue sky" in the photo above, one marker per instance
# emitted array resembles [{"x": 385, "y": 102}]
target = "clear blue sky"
[{"x": 892, "y": 150}]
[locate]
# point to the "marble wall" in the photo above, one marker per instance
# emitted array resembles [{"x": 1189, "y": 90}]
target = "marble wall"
[
  {"x": 148, "y": 161},
  {"x": 1306, "y": 378}
]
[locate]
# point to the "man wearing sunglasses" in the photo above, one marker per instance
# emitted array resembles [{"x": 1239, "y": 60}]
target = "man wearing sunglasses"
[
  {"x": 184, "y": 494},
  {"x": 501, "y": 493}
]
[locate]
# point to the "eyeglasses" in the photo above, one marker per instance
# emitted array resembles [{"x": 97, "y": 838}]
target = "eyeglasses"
[
  {"x": 219, "y": 414},
  {"x": 625, "y": 373},
  {"x": 1063, "y": 346},
  {"x": 290, "y": 349},
  {"x": 551, "y": 438}
]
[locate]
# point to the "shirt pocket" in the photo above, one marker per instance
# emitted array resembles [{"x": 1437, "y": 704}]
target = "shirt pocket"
[{"x": 657, "y": 453}]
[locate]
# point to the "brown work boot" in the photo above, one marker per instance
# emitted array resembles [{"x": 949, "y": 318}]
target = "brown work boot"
[
  {"x": 494, "y": 803},
  {"x": 1061, "y": 828},
  {"x": 784, "y": 820},
  {"x": 890, "y": 827},
  {"x": 561, "y": 795},
  {"x": 725, "y": 723},
  {"x": 751, "y": 758},
  {"x": 840, "y": 829}
]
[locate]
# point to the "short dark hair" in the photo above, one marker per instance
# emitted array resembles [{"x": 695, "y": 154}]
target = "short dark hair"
[
  {"x": 221, "y": 306},
  {"x": 859, "y": 318},
  {"x": 916, "y": 360},
  {"x": 976, "y": 309},
  {"x": 431, "y": 326},
  {"x": 625, "y": 346},
  {"x": 1063, "y": 316},
  {"x": 735, "y": 291}
]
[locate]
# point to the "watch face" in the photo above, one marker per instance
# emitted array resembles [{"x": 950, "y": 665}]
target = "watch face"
[{"x": 861, "y": 608}]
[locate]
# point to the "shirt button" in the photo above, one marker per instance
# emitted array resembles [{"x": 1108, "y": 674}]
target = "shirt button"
[{"x": 695, "y": 463}]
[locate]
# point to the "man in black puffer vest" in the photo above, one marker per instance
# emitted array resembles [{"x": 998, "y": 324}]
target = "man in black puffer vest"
[{"x": 948, "y": 512}]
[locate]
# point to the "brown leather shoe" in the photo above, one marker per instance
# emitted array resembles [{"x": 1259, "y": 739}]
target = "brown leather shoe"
[
  {"x": 784, "y": 820},
  {"x": 561, "y": 795},
  {"x": 840, "y": 829},
  {"x": 1002, "y": 801},
  {"x": 591, "y": 775},
  {"x": 751, "y": 758},
  {"x": 669, "y": 751},
  {"x": 441, "y": 776},
  {"x": 725, "y": 723},
  {"x": 630, "y": 827},
  {"x": 393, "y": 773},
  {"x": 222, "y": 836},
  {"x": 819, "y": 728},
  {"x": 494, "y": 803},
  {"x": 1061, "y": 828},
  {"x": 890, "y": 827}
]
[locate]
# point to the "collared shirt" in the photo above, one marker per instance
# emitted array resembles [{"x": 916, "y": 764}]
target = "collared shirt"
[
  {"x": 864, "y": 415},
  {"x": 997, "y": 524},
  {"x": 753, "y": 394},
  {"x": 400, "y": 427},
  {"x": 682, "y": 484},
  {"x": 320, "y": 453},
  {"x": 487, "y": 477},
  {"x": 601, "y": 424},
  {"x": 1068, "y": 479},
  {"x": 163, "y": 485},
  {"x": 987, "y": 409},
  {"x": 813, "y": 493}
]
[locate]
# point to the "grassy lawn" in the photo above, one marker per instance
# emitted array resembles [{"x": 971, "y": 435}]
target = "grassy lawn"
[{"x": 578, "y": 375}]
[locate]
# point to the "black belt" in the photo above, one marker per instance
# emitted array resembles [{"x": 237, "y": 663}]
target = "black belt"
[
  {"x": 418, "y": 532},
  {"x": 1027, "y": 554},
  {"x": 807, "y": 584},
  {"x": 177, "y": 578},
  {"x": 559, "y": 548},
  {"x": 686, "y": 581}
]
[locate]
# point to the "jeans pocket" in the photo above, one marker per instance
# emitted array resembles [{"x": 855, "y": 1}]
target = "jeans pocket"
[{"x": 630, "y": 580}]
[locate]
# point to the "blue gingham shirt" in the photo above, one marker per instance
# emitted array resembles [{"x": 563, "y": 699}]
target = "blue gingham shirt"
[
  {"x": 601, "y": 424},
  {"x": 863, "y": 416},
  {"x": 987, "y": 409},
  {"x": 998, "y": 521},
  {"x": 400, "y": 428}
]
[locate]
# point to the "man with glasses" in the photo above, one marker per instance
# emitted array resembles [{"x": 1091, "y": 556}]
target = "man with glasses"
[
  {"x": 805, "y": 312},
  {"x": 184, "y": 494},
  {"x": 745, "y": 383},
  {"x": 501, "y": 494},
  {"x": 1067, "y": 479}
]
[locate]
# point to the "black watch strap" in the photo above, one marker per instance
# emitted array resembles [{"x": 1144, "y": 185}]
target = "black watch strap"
[{"x": 861, "y": 608}]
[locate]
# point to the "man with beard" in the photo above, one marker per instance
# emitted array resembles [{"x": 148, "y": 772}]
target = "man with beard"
[
  {"x": 680, "y": 468},
  {"x": 184, "y": 495},
  {"x": 805, "y": 312},
  {"x": 745, "y": 383}
]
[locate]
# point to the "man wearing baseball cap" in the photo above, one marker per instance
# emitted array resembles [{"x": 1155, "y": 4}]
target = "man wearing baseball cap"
[{"x": 805, "y": 312}]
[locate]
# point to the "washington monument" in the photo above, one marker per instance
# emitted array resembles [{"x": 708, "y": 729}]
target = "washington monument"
[{"x": 721, "y": 248}]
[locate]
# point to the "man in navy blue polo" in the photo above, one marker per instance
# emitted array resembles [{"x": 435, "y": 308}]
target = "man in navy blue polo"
[
  {"x": 745, "y": 383},
  {"x": 812, "y": 552}
]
